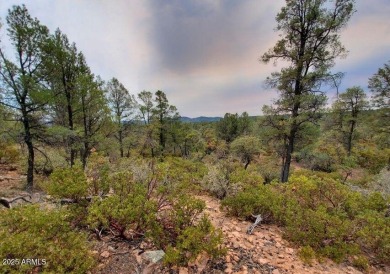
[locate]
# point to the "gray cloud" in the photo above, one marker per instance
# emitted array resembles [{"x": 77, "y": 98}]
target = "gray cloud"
[{"x": 203, "y": 54}]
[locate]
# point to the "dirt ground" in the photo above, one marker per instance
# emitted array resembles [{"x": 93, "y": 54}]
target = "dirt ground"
[
  {"x": 265, "y": 251},
  {"x": 11, "y": 181}
]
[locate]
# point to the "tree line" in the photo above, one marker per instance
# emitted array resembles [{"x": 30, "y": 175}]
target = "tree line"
[{"x": 49, "y": 88}]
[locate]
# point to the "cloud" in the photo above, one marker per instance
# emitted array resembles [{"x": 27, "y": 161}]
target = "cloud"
[{"x": 202, "y": 54}]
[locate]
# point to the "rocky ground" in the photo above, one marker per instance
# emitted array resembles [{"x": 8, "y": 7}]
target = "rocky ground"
[
  {"x": 262, "y": 252},
  {"x": 265, "y": 251}
]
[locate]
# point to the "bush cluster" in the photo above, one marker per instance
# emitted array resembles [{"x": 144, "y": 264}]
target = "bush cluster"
[
  {"x": 9, "y": 154},
  {"x": 319, "y": 212},
  {"x": 156, "y": 205},
  {"x": 32, "y": 233},
  {"x": 228, "y": 178}
]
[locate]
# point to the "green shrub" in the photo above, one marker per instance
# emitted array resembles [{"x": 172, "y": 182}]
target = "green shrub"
[
  {"x": 263, "y": 199},
  {"x": 97, "y": 172},
  {"x": 319, "y": 212},
  {"x": 158, "y": 209},
  {"x": 360, "y": 262},
  {"x": 194, "y": 240},
  {"x": 374, "y": 234},
  {"x": 31, "y": 233},
  {"x": 68, "y": 183},
  {"x": 307, "y": 254},
  {"x": 128, "y": 209},
  {"x": 9, "y": 154},
  {"x": 228, "y": 178},
  {"x": 269, "y": 168},
  {"x": 371, "y": 157}
]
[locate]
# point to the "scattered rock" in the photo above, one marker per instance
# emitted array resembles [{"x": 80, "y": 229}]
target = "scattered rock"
[
  {"x": 105, "y": 254},
  {"x": 183, "y": 270},
  {"x": 201, "y": 261},
  {"x": 154, "y": 256},
  {"x": 262, "y": 261},
  {"x": 227, "y": 259},
  {"x": 289, "y": 250}
]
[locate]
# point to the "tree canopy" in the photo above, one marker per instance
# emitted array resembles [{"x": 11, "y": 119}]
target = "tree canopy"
[{"x": 310, "y": 45}]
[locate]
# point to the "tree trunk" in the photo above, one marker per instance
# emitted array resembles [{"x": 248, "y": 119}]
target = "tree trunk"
[
  {"x": 289, "y": 150},
  {"x": 120, "y": 135},
  {"x": 85, "y": 153},
  {"x": 247, "y": 164},
  {"x": 30, "y": 149},
  {"x": 71, "y": 128},
  {"x": 350, "y": 136}
]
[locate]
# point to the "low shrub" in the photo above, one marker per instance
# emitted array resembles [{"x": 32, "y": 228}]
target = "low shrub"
[
  {"x": 319, "y": 212},
  {"x": 97, "y": 172},
  {"x": 130, "y": 213},
  {"x": 160, "y": 210},
  {"x": 307, "y": 254},
  {"x": 9, "y": 154},
  {"x": 370, "y": 157},
  {"x": 32, "y": 233},
  {"x": 194, "y": 240},
  {"x": 68, "y": 183},
  {"x": 228, "y": 178}
]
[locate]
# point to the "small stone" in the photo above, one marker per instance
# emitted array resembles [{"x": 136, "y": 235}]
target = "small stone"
[
  {"x": 105, "y": 254},
  {"x": 276, "y": 271},
  {"x": 289, "y": 250},
  {"x": 236, "y": 244},
  {"x": 138, "y": 258},
  {"x": 183, "y": 270},
  {"x": 154, "y": 256},
  {"x": 262, "y": 261},
  {"x": 238, "y": 229},
  {"x": 227, "y": 259},
  {"x": 111, "y": 248},
  {"x": 201, "y": 261},
  {"x": 229, "y": 268},
  {"x": 236, "y": 258},
  {"x": 281, "y": 256},
  {"x": 236, "y": 234}
]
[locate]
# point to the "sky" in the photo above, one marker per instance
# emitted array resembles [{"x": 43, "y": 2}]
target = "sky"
[{"x": 204, "y": 54}]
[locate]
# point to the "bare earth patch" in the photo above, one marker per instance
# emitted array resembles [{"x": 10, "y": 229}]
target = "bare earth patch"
[{"x": 11, "y": 181}]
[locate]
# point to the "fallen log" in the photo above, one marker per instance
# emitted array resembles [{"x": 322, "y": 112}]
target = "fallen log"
[{"x": 8, "y": 202}]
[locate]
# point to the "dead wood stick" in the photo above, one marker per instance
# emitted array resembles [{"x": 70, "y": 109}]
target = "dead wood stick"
[
  {"x": 8, "y": 202},
  {"x": 252, "y": 226}
]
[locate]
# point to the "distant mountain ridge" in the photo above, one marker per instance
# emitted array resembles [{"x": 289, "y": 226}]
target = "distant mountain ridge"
[{"x": 199, "y": 119}]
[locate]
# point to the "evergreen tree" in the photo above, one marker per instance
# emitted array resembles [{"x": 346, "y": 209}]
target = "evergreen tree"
[
  {"x": 309, "y": 44},
  {"x": 122, "y": 106},
  {"x": 23, "y": 81}
]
